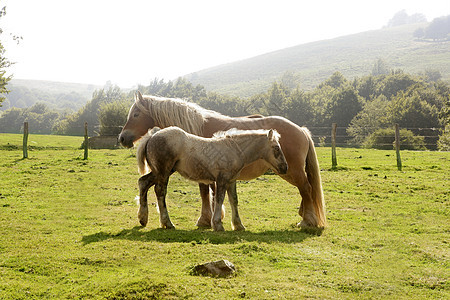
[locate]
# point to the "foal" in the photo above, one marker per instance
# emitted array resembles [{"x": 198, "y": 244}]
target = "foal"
[{"x": 218, "y": 160}]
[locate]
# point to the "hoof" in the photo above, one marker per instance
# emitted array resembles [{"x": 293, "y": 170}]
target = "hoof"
[
  {"x": 203, "y": 223},
  {"x": 218, "y": 227},
  {"x": 143, "y": 216},
  {"x": 239, "y": 227},
  {"x": 304, "y": 224},
  {"x": 168, "y": 226}
]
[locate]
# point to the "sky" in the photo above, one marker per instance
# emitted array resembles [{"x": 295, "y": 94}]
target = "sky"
[{"x": 130, "y": 42}]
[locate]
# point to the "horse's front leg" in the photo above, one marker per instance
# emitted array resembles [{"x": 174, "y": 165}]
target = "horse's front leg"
[
  {"x": 236, "y": 222},
  {"x": 161, "y": 191},
  {"x": 145, "y": 182},
  {"x": 216, "y": 221},
  {"x": 206, "y": 213}
]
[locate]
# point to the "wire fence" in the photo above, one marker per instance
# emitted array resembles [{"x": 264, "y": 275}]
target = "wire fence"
[{"x": 322, "y": 137}]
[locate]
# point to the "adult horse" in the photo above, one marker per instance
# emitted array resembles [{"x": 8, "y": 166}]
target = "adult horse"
[
  {"x": 217, "y": 160},
  {"x": 296, "y": 144}
]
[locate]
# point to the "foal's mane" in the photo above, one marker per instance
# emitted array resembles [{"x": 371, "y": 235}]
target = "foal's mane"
[
  {"x": 175, "y": 112},
  {"x": 233, "y": 132}
]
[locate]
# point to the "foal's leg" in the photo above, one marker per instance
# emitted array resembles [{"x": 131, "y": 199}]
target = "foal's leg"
[
  {"x": 232, "y": 197},
  {"x": 207, "y": 205},
  {"x": 206, "y": 214},
  {"x": 161, "y": 191},
  {"x": 145, "y": 182},
  {"x": 216, "y": 221}
]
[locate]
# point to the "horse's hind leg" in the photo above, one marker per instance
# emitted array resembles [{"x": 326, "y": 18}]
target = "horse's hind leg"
[
  {"x": 161, "y": 191},
  {"x": 236, "y": 222},
  {"x": 145, "y": 182},
  {"x": 306, "y": 211}
]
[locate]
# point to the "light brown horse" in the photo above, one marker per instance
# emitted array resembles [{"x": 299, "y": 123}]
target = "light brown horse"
[
  {"x": 217, "y": 160},
  {"x": 296, "y": 143}
]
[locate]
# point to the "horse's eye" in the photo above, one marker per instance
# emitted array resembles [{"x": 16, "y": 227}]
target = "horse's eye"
[
  {"x": 277, "y": 149},
  {"x": 136, "y": 115}
]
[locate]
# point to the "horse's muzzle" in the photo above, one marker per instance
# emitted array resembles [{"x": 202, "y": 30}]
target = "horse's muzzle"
[
  {"x": 282, "y": 168},
  {"x": 125, "y": 139}
]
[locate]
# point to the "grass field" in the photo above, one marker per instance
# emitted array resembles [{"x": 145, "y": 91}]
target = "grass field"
[{"x": 69, "y": 230}]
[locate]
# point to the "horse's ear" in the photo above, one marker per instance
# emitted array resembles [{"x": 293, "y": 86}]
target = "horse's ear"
[
  {"x": 270, "y": 134},
  {"x": 138, "y": 96}
]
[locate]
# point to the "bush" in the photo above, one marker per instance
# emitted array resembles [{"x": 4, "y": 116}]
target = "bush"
[
  {"x": 385, "y": 138},
  {"x": 444, "y": 139},
  {"x": 112, "y": 117}
]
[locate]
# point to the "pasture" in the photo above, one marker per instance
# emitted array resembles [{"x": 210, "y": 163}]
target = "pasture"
[{"x": 69, "y": 230}]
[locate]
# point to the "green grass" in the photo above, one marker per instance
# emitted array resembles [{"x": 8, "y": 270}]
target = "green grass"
[{"x": 69, "y": 229}]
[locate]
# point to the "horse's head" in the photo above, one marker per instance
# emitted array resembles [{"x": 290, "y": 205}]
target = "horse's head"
[
  {"x": 275, "y": 156},
  {"x": 138, "y": 123}
]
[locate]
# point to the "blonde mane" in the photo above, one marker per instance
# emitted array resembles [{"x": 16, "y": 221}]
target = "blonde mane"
[
  {"x": 236, "y": 132},
  {"x": 175, "y": 112}
]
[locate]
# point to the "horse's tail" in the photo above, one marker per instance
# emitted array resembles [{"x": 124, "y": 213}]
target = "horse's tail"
[
  {"x": 141, "y": 152},
  {"x": 313, "y": 173}
]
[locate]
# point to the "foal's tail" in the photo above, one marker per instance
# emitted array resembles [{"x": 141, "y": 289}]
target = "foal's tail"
[
  {"x": 141, "y": 152},
  {"x": 313, "y": 172}
]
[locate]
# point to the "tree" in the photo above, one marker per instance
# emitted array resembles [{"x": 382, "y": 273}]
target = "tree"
[
  {"x": 40, "y": 117},
  {"x": 74, "y": 124},
  {"x": 4, "y": 64},
  {"x": 181, "y": 88},
  {"x": 384, "y": 139},
  {"x": 289, "y": 80},
  {"x": 409, "y": 110},
  {"x": 336, "y": 80},
  {"x": 277, "y": 96},
  {"x": 380, "y": 67},
  {"x": 402, "y": 18},
  {"x": 444, "y": 117},
  {"x": 438, "y": 29},
  {"x": 419, "y": 33},
  {"x": 344, "y": 105},
  {"x": 112, "y": 116},
  {"x": 432, "y": 75},
  {"x": 397, "y": 81},
  {"x": 368, "y": 120},
  {"x": 299, "y": 109}
]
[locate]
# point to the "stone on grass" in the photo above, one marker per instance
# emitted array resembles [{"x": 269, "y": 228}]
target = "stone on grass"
[{"x": 220, "y": 268}]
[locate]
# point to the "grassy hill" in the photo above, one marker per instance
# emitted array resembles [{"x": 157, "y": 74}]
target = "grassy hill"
[
  {"x": 54, "y": 87},
  {"x": 352, "y": 55},
  {"x": 59, "y": 95}
]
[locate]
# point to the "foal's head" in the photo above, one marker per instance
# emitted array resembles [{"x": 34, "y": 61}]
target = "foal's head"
[
  {"x": 275, "y": 156},
  {"x": 138, "y": 123}
]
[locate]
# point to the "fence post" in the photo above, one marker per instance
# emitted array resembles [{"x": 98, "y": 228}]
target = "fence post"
[
  {"x": 25, "y": 139},
  {"x": 86, "y": 141},
  {"x": 397, "y": 147},
  {"x": 333, "y": 146}
]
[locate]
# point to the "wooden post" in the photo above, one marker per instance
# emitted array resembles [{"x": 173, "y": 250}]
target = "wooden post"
[
  {"x": 86, "y": 140},
  {"x": 397, "y": 147},
  {"x": 333, "y": 146},
  {"x": 25, "y": 140}
]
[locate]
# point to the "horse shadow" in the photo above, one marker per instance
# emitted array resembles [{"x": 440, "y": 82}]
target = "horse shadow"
[{"x": 204, "y": 236}]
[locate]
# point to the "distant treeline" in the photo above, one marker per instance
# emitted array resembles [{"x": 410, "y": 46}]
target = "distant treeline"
[
  {"x": 439, "y": 29},
  {"x": 22, "y": 97},
  {"x": 365, "y": 106}
]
